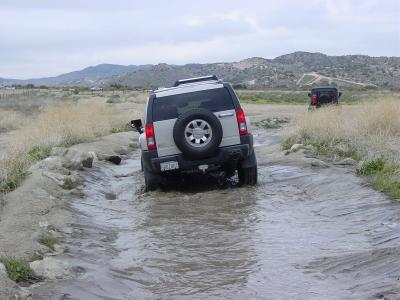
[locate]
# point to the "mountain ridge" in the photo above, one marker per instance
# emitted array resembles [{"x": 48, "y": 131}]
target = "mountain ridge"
[{"x": 284, "y": 71}]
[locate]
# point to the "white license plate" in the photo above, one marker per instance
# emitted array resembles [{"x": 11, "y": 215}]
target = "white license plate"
[{"x": 169, "y": 165}]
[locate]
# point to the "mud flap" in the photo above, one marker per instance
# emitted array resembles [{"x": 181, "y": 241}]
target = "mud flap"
[{"x": 249, "y": 162}]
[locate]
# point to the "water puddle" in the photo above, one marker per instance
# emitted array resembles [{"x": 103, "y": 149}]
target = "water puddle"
[{"x": 299, "y": 234}]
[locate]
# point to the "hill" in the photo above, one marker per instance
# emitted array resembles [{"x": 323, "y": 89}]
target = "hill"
[
  {"x": 286, "y": 71},
  {"x": 94, "y": 75}
]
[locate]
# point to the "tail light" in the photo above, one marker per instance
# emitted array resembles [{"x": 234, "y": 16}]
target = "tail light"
[
  {"x": 241, "y": 119},
  {"x": 150, "y": 138},
  {"x": 314, "y": 100}
]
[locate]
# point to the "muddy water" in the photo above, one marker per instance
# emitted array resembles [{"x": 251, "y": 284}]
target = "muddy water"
[{"x": 300, "y": 234}]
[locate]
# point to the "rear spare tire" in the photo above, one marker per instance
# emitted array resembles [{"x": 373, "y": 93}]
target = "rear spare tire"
[{"x": 198, "y": 133}]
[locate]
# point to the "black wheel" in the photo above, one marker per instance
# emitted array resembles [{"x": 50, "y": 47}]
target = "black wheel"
[
  {"x": 247, "y": 176},
  {"x": 198, "y": 133}
]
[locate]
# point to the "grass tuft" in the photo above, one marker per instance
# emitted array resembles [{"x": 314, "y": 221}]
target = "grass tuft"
[
  {"x": 290, "y": 141},
  {"x": 372, "y": 167},
  {"x": 38, "y": 153},
  {"x": 14, "y": 182},
  {"x": 68, "y": 184},
  {"x": 17, "y": 270},
  {"x": 48, "y": 242},
  {"x": 270, "y": 123},
  {"x": 387, "y": 180}
]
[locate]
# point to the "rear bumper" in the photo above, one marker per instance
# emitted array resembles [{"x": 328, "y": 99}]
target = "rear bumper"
[
  {"x": 319, "y": 105},
  {"x": 229, "y": 154}
]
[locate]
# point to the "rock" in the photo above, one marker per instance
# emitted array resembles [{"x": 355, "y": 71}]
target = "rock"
[
  {"x": 57, "y": 178},
  {"x": 58, "y": 249},
  {"x": 3, "y": 269},
  {"x": 319, "y": 163},
  {"x": 54, "y": 164},
  {"x": 58, "y": 151},
  {"x": 44, "y": 224},
  {"x": 122, "y": 151},
  {"x": 87, "y": 162},
  {"x": 76, "y": 160},
  {"x": 346, "y": 162},
  {"x": 51, "y": 268},
  {"x": 309, "y": 148},
  {"x": 115, "y": 159},
  {"x": 72, "y": 180},
  {"x": 73, "y": 159},
  {"x": 296, "y": 147},
  {"x": 39, "y": 234},
  {"x": 110, "y": 196},
  {"x": 94, "y": 155}
]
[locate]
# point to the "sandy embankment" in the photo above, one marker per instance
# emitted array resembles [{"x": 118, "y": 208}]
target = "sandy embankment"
[{"x": 40, "y": 207}]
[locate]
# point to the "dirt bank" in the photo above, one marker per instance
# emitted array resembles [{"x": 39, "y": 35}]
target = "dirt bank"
[{"x": 40, "y": 208}]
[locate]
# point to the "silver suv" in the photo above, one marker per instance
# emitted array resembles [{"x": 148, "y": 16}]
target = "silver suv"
[{"x": 196, "y": 126}]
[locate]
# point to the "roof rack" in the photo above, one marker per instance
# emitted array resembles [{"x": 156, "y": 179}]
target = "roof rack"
[{"x": 196, "y": 79}]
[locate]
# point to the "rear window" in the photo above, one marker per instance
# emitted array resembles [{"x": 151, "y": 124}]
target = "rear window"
[
  {"x": 327, "y": 93},
  {"x": 171, "y": 107}
]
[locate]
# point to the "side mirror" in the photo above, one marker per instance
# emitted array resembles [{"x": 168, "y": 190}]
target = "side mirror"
[
  {"x": 309, "y": 94},
  {"x": 340, "y": 94},
  {"x": 137, "y": 124}
]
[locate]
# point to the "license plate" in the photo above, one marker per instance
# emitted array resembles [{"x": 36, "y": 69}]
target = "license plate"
[{"x": 169, "y": 165}]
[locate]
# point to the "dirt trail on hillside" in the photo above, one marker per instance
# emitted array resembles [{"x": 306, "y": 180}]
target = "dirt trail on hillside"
[{"x": 301, "y": 233}]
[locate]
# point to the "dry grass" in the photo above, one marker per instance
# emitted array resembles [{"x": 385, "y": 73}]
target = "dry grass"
[
  {"x": 59, "y": 125},
  {"x": 368, "y": 131},
  {"x": 10, "y": 119},
  {"x": 372, "y": 128}
]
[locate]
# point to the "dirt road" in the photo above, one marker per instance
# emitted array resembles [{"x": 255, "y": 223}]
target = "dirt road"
[{"x": 302, "y": 233}]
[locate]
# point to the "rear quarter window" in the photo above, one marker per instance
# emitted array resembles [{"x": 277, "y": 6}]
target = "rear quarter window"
[{"x": 171, "y": 107}]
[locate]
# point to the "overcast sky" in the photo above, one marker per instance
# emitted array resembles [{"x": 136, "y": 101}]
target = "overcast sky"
[{"x": 48, "y": 37}]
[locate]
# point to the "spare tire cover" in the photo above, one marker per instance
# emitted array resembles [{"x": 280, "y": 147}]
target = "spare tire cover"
[{"x": 198, "y": 133}]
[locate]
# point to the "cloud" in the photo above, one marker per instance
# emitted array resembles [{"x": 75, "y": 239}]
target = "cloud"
[{"x": 44, "y": 38}]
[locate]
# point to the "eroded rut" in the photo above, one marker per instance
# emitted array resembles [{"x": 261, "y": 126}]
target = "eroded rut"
[{"x": 302, "y": 233}]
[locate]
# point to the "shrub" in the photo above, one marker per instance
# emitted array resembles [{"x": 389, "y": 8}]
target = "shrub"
[{"x": 372, "y": 167}]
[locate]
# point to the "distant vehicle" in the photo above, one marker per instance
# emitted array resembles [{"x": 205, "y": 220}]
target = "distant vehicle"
[
  {"x": 197, "y": 126},
  {"x": 323, "y": 95},
  {"x": 96, "y": 89}
]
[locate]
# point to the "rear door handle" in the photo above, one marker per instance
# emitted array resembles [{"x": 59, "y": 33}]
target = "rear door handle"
[{"x": 225, "y": 115}]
